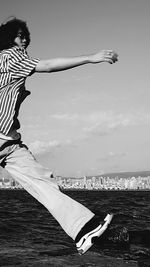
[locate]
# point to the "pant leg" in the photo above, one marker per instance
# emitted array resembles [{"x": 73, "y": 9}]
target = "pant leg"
[{"x": 35, "y": 179}]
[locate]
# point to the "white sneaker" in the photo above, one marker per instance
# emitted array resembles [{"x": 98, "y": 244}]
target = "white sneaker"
[{"x": 86, "y": 241}]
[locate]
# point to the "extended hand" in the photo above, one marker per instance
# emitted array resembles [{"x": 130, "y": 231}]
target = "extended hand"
[{"x": 109, "y": 56}]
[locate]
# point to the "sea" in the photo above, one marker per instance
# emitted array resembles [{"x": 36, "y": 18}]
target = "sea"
[{"x": 30, "y": 236}]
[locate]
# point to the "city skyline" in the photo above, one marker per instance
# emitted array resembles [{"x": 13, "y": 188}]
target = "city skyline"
[
  {"x": 91, "y": 183},
  {"x": 94, "y": 119}
]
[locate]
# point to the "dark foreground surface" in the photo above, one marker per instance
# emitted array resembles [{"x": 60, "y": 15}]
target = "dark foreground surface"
[{"x": 29, "y": 236}]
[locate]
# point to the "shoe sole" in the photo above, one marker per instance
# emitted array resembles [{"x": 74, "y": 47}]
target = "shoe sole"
[{"x": 86, "y": 242}]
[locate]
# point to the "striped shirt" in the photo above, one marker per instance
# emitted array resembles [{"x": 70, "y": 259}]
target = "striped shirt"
[{"x": 15, "y": 67}]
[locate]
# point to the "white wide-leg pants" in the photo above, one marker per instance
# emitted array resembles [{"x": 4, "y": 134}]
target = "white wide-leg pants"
[{"x": 35, "y": 179}]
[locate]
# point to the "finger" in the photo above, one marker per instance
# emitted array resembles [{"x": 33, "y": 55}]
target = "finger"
[
  {"x": 112, "y": 53},
  {"x": 112, "y": 57},
  {"x": 109, "y": 53},
  {"x": 110, "y": 61},
  {"x": 115, "y": 58}
]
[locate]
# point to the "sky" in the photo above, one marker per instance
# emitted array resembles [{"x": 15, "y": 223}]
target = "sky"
[{"x": 95, "y": 118}]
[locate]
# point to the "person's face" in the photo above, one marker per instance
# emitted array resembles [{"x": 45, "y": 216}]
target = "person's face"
[{"x": 20, "y": 40}]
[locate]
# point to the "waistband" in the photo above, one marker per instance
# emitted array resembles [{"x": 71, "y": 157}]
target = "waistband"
[
  {"x": 13, "y": 135},
  {"x": 5, "y": 143}
]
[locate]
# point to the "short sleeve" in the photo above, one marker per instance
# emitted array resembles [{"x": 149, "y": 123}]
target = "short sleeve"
[{"x": 20, "y": 64}]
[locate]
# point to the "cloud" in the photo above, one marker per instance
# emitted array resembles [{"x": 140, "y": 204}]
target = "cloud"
[
  {"x": 82, "y": 126},
  {"x": 64, "y": 116},
  {"x": 109, "y": 117},
  {"x": 106, "y": 122},
  {"x": 113, "y": 155},
  {"x": 100, "y": 123},
  {"x": 39, "y": 147}
]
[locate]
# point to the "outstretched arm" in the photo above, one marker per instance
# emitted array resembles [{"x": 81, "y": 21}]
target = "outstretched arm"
[{"x": 59, "y": 64}]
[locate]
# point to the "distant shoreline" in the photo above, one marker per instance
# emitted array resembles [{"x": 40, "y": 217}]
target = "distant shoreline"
[{"x": 74, "y": 189}]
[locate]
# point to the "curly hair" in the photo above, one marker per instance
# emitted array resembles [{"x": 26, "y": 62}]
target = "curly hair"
[{"x": 9, "y": 31}]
